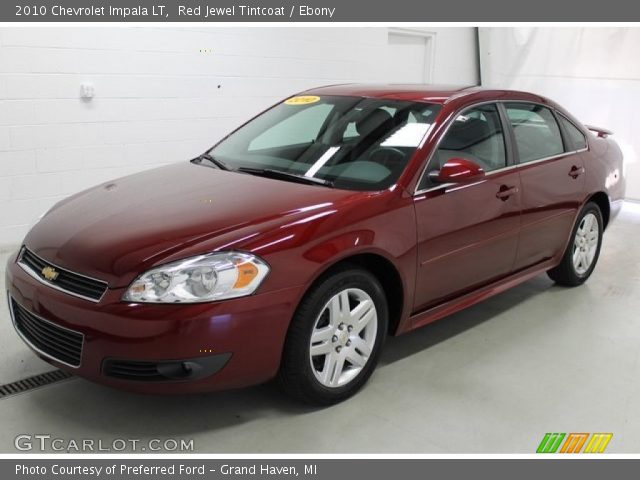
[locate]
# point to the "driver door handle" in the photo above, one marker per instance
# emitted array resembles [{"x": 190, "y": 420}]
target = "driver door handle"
[{"x": 505, "y": 192}]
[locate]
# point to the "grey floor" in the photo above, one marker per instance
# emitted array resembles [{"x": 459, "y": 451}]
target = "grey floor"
[{"x": 493, "y": 379}]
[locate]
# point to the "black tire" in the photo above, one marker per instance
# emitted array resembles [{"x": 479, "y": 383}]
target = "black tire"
[
  {"x": 296, "y": 375},
  {"x": 566, "y": 273}
]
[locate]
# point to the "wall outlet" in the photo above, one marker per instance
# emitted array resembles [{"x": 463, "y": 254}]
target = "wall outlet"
[{"x": 87, "y": 91}]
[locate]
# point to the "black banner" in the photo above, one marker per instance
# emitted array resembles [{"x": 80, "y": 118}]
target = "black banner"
[
  {"x": 310, "y": 469},
  {"x": 316, "y": 11}
]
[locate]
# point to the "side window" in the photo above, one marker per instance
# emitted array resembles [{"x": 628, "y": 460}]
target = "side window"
[
  {"x": 299, "y": 129},
  {"x": 536, "y": 131},
  {"x": 350, "y": 132},
  {"x": 476, "y": 135},
  {"x": 578, "y": 140}
]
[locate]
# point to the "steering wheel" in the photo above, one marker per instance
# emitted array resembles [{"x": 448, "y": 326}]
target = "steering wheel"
[{"x": 390, "y": 157}]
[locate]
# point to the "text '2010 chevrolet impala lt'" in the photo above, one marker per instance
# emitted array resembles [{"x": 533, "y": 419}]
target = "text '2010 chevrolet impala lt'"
[{"x": 292, "y": 248}]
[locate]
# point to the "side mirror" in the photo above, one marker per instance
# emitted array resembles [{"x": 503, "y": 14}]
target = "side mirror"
[{"x": 457, "y": 170}]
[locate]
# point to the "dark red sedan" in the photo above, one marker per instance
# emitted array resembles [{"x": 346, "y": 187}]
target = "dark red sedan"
[{"x": 297, "y": 243}]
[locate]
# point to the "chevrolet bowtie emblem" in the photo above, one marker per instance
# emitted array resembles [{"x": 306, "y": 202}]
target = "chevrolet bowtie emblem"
[{"x": 49, "y": 273}]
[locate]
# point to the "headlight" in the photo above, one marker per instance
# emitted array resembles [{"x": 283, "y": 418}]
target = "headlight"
[{"x": 204, "y": 278}]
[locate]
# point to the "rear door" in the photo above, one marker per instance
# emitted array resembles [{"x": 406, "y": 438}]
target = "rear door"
[
  {"x": 552, "y": 177},
  {"x": 467, "y": 232}
]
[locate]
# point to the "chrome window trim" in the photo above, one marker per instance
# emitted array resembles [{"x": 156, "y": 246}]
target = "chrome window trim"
[
  {"x": 499, "y": 170},
  {"x": 37, "y": 277},
  {"x": 507, "y": 168},
  {"x": 31, "y": 345}
]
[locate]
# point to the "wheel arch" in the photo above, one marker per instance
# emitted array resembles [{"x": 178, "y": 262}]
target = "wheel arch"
[
  {"x": 385, "y": 272},
  {"x": 602, "y": 200}
]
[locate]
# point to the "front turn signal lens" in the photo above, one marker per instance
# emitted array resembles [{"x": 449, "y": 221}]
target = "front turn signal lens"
[{"x": 247, "y": 272}]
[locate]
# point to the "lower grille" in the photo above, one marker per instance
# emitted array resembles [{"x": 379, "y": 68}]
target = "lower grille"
[
  {"x": 54, "y": 341},
  {"x": 132, "y": 370}
]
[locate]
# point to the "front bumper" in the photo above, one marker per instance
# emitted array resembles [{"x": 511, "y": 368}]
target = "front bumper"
[{"x": 239, "y": 341}]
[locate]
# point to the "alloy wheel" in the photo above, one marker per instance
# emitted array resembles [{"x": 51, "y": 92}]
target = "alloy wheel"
[
  {"x": 343, "y": 337},
  {"x": 585, "y": 243}
]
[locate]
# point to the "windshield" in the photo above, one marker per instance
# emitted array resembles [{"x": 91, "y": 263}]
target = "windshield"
[{"x": 348, "y": 142}]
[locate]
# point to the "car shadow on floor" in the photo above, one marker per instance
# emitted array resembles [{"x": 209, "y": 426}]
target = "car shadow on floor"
[
  {"x": 446, "y": 328},
  {"x": 85, "y": 407}
]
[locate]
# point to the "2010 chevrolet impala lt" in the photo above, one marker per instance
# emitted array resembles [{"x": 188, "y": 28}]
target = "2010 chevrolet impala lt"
[{"x": 293, "y": 247}]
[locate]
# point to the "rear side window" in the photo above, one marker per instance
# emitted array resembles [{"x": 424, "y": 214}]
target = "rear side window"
[
  {"x": 577, "y": 138},
  {"x": 536, "y": 131}
]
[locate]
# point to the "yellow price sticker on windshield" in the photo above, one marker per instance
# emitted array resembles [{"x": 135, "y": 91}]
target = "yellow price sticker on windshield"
[{"x": 302, "y": 100}]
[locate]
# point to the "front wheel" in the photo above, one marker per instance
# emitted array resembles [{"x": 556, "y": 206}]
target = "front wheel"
[
  {"x": 335, "y": 338},
  {"x": 583, "y": 250}
]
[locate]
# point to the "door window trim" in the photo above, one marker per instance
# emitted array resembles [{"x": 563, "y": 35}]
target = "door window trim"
[{"x": 513, "y": 161}]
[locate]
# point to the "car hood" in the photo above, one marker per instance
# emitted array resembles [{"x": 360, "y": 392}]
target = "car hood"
[{"x": 117, "y": 229}]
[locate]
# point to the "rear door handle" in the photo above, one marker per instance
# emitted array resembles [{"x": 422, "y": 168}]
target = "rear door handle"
[
  {"x": 505, "y": 192},
  {"x": 575, "y": 172}
]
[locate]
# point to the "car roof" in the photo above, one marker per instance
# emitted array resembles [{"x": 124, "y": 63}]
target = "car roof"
[{"x": 424, "y": 93}]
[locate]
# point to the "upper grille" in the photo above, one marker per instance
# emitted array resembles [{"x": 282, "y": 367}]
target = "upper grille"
[
  {"x": 66, "y": 281},
  {"x": 52, "y": 340}
]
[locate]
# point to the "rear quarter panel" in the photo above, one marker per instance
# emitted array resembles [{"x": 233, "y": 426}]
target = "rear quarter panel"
[{"x": 605, "y": 172}]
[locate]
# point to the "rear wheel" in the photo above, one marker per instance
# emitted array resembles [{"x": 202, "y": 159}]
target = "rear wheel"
[
  {"x": 335, "y": 338},
  {"x": 583, "y": 250}
]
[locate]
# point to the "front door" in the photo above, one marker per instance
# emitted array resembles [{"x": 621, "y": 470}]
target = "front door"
[{"x": 467, "y": 232}]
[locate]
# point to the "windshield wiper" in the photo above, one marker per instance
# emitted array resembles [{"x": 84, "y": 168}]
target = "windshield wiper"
[
  {"x": 214, "y": 161},
  {"x": 279, "y": 175}
]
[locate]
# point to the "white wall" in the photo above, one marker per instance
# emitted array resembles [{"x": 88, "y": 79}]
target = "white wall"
[
  {"x": 161, "y": 95},
  {"x": 593, "y": 72},
  {"x": 455, "y": 56}
]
